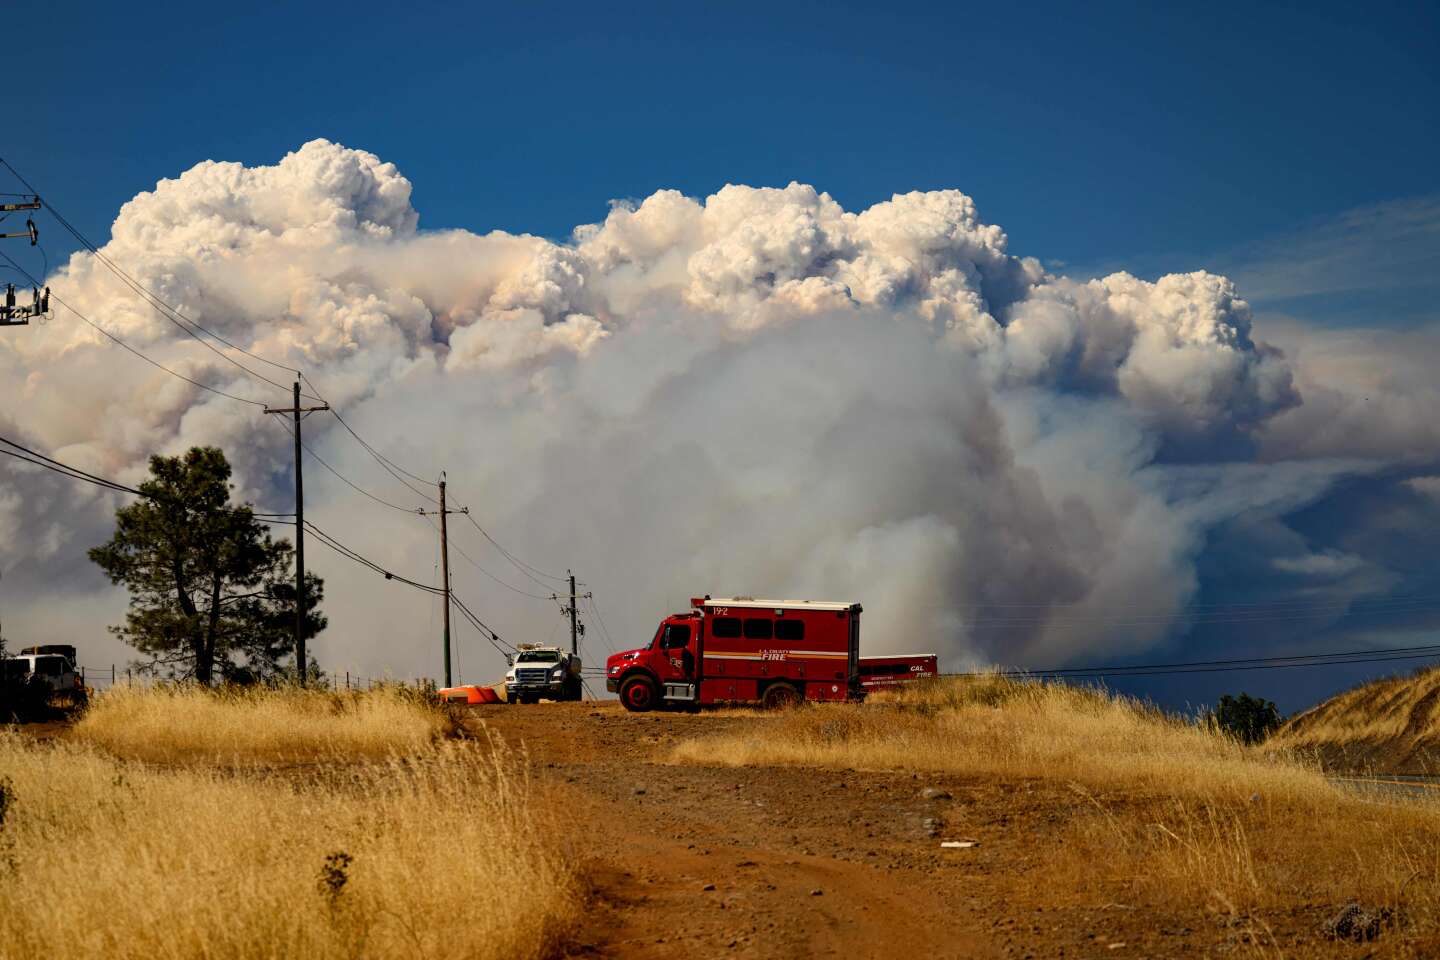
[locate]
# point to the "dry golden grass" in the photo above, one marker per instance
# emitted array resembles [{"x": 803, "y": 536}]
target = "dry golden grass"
[
  {"x": 1390, "y": 725},
  {"x": 180, "y": 724},
  {"x": 1007, "y": 727},
  {"x": 447, "y": 857},
  {"x": 1266, "y": 858},
  {"x": 1173, "y": 813}
]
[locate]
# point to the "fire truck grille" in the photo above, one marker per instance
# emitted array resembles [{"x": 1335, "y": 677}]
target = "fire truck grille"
[{"x": 532, "y": 676}]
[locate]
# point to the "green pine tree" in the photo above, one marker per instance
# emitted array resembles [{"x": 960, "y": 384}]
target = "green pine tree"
[{"x": 212, "y": 595}]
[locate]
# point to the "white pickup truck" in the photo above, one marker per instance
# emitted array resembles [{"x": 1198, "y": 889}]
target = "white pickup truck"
[
  {"x": 51, "y": 664},
  {"x": 538, "y": 673},
  {"x": 42, "y": 675}
]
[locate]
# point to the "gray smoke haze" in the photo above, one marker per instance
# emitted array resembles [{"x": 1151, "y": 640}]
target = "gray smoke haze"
[{"x": 757, "y": 392}]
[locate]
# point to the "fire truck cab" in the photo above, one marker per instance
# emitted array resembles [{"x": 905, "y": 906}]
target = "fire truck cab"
[{"x": 743, "y": 650}]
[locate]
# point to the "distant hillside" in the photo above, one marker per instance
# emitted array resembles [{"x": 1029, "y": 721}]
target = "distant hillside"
[{"x": 1387, "y": 726}]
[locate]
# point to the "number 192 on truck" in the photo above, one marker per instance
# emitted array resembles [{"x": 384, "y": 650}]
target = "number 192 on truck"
[{"x": 743, "y": 650}]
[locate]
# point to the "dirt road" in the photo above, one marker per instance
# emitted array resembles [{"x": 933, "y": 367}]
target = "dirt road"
[{"x": 699, "y": 861}]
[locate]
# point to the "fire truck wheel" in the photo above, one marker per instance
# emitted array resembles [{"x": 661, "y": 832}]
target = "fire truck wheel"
[
  {"x": 638, "y": 694},
  {"x": 778, "y": 696}
]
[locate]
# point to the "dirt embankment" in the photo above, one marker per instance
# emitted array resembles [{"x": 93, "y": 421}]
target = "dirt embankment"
[{"x": 1388, "y": 726}]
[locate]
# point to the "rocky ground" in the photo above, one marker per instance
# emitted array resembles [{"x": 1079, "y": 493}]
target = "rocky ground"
[{"x": 688, "y": 860}]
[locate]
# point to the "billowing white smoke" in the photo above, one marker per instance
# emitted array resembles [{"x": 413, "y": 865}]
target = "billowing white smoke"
[{"x": 758, "y": 392}]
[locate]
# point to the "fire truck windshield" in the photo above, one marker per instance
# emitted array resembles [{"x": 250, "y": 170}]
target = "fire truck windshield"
[{"x": 538, "y": 656}]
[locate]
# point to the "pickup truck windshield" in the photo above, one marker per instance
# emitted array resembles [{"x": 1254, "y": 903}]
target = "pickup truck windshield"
[
  {"x": 50, "y": 666},
  {"x": 538, "y": 656}
]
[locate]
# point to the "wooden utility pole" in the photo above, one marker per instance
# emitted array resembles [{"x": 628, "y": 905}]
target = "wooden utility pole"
[
  {"x": 445, "y": 574},
  {"x": 445, "y": 568},
  {"x": 302, "y": 666},
  {"x": 574, "y": 633}
]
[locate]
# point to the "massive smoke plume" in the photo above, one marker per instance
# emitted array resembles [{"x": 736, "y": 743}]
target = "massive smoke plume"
[{"x": 757, "y": 392}]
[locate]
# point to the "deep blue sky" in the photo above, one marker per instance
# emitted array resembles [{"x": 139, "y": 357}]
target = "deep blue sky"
[{"x": 1091, "y": 132}]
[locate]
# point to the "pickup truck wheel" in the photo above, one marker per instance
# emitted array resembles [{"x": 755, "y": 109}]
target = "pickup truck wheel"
[
  {"x": 779, "y": 696},
  {"x": 638, "y": 694}
]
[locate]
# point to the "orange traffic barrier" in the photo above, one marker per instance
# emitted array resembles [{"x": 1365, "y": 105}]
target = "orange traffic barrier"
[{"x": 468, "y": 694}]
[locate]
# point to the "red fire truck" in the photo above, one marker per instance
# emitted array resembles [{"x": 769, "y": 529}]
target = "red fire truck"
[
  {"x": 877, "y": 673},
  {"x": 744, "y": 650}
]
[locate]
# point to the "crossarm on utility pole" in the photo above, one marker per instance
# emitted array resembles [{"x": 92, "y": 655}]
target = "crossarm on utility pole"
[{"x": 302, "y": 665}]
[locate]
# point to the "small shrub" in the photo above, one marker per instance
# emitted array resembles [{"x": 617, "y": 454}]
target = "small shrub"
[
  {"x": 7, "y": 798},
  {"x": 1246, "y": 718},
  {"x": 334, "y": 875}
]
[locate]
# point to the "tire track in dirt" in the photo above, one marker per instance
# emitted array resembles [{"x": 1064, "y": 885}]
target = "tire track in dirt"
[{"x": 719, "y": 861}]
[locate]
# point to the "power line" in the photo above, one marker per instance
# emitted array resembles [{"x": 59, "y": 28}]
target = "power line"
[
  {"x": 480, "y": 625},
  {"x": 345, "y": 480},
  {"x": 1379, "y": 655},
  {"x": 519, "y": 564},
  {"x": 163, "y": 307},
  {"x": 1276, "y": 666},
  {"x": 172, "y": 313},
  {"x": 361, "y": 559},
  {"x": 75, "y": 473},
  {"x": 154, "y": 363},
  {"x": 390, "y": 466},
  {"x": 460, "y": 550},
  {"x": 64, "y": 470},
  {"x": 604, "y": 632},
  {"x": 55, "y": 466},
  {"x": 978, "y": 604},
  {"x": 1345, "y": 609}
]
